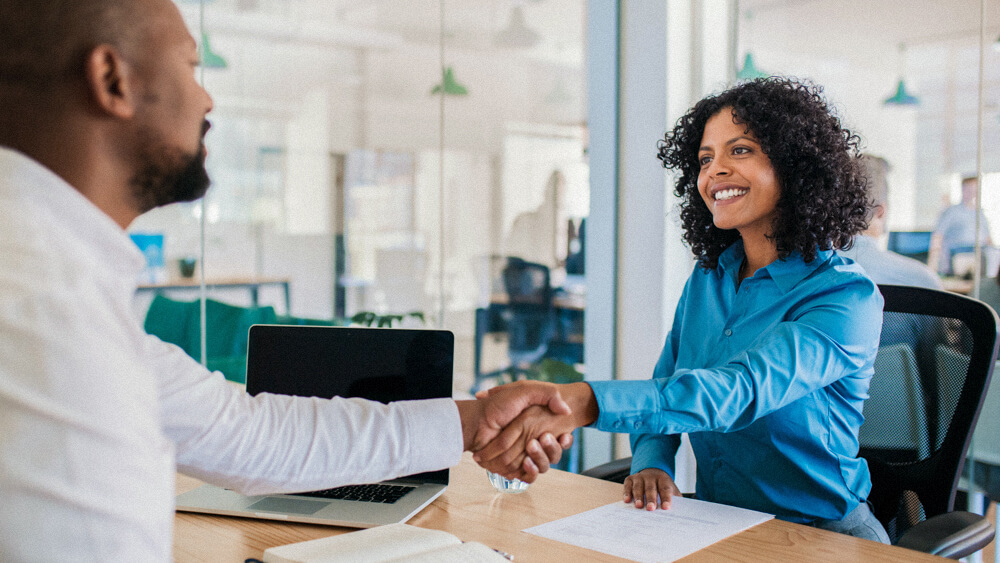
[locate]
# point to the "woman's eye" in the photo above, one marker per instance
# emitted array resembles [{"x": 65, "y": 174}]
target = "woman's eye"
[
  {"x": 704, "y": 160},
  {"x": 741, "y": 150}
]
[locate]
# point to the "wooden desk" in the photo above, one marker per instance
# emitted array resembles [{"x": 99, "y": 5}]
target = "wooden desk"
[
  {"x": 957, "y": 285},
  {"x": 253, "y": 285},
  {"x": 473, "y": 511},
  {"x": 568, "y": 301}
]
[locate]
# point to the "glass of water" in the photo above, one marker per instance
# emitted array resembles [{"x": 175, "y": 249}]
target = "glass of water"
[{"x": 505, "y": 485}]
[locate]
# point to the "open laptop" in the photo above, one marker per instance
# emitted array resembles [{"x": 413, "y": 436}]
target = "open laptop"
[{"x": 315, "y": 361}]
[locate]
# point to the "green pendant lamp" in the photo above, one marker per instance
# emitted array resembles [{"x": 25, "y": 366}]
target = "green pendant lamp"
[
  {"x": 209, "y": 58},
  {"x": 449, "y": 85},
  {"x": 902, "y": 97},
  {"x": 749, "y": 70}
]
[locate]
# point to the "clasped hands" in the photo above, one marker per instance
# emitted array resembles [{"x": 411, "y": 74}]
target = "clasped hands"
[
  {"x": 518, "y": 430},
  {"x": 513, "y": 435}
]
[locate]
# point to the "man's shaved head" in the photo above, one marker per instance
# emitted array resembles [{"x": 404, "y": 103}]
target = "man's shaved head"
[
  {"x": 45, "y": 41},
  {"x": 103, "y": 93}
]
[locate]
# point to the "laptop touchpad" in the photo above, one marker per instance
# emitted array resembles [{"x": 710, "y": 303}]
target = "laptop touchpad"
[{"x": 288, "y": 505}]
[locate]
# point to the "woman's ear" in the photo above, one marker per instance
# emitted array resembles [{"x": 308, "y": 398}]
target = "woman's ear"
[{"x": 109, "y": 81}]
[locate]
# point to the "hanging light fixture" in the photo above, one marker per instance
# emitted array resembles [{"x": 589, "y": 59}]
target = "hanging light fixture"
[
  {"x": 449, "y": 85},
  {"x": 209, "y": 58},
  {"x": 517, "y": 34},
  {"x": 901, "y": 97},
  {"x": 749, "y": 70}
]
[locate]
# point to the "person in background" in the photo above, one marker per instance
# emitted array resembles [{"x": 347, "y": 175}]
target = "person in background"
[
  {"x": 956, "y": 228},
  {"x": 771, "y": 352},
  {"x": 101, "y": 120},
  {"x": 884, "y": 266},
  {"x": 540, "y": 235}
]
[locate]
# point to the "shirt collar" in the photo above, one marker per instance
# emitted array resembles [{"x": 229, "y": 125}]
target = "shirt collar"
[
  {"x": 24, "y": 178},
  {"x": 786, "y": 273}
]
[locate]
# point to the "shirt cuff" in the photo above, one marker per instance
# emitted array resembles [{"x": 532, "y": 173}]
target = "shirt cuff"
[
  {"x": 435, "y": 433},
  {"x": 630, "y": 407}
]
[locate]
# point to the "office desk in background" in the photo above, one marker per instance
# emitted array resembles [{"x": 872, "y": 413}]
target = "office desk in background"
[
  {"x": 957, "y": 285},
  {"x": 251, "y": 284},
  {"x": 473, "y": 511}
]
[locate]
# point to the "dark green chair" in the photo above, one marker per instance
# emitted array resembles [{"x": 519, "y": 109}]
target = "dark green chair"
[
  {"x": 179, "y": 322},
  {"x": 301, "y": 321}
]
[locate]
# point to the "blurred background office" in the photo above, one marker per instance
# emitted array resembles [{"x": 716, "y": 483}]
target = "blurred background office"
[{"x": 392, "y": 157}]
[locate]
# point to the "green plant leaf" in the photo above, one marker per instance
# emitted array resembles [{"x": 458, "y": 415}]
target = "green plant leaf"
[{"x": 555, "y": 371}]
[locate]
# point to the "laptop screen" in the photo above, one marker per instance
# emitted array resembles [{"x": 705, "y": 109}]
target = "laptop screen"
[{"x": 384, "y": 365}]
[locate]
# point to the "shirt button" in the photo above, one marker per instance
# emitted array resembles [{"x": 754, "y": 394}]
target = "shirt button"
[
  {"x": 728, "y": 332},
  {"x": 637, "y": 425},
  {"x": 618, "y": 424}
]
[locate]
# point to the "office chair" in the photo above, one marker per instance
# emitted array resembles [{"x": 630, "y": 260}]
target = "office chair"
[
  {"x": 179, "y": 322},
  {"x": 530, "y": 315},
  {"x": 982, "y": 467},
  {"x": 913, "y": 483},
  {"x": 528, "y": 318}
]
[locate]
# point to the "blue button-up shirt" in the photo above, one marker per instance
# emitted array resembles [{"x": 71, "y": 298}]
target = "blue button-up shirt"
[{"x": 768, "y": 377}]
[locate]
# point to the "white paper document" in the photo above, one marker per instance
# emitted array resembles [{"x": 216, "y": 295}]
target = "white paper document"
[{"x": 623, "y": 530}]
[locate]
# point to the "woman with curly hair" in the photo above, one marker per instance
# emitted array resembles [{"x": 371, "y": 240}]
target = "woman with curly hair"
[{"x": 771, "y": 351}]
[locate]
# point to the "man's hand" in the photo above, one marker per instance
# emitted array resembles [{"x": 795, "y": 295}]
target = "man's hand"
[
  {"x": 501, "y": 408},
  {"x": 483, "y": 420},
  {"x": 645, "y": 486},
  {"x": 507, "y": 453}
]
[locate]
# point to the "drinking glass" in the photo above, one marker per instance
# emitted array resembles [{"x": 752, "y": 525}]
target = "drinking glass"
[{"x": 505, "y": 485}]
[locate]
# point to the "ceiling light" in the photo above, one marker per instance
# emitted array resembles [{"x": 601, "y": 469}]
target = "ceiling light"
[
  {"x": 517, "y": 34},
  {"x": 209, "y": 58},
  {"x": 902, "y": 97},
  {"x": 449, "y": 85},
  {"x": 749, "y": 70}
]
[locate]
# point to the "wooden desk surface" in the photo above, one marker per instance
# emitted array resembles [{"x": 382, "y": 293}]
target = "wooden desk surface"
[
  {"x": 473, "y": 511},
  {"x": 957, "y": 285}
]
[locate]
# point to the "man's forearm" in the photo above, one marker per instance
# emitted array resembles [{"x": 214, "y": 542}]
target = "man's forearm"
[{"x": 581, "y": 399}]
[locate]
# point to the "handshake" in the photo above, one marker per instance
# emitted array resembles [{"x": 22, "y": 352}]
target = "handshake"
[{"x": 518, "y": 430}]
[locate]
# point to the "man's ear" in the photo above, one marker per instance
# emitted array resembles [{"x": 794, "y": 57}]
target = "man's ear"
[
  {"x": 109, "y": 81},
  {"x": 879, "y": 212}
]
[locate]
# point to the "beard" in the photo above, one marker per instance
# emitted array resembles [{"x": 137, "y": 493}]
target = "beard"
[{"x": 168, "y": 175}]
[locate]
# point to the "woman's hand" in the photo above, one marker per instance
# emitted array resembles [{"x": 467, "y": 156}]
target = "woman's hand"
[{"x": 644, "y": 487}]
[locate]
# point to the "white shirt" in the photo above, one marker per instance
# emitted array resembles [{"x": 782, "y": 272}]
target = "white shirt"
[{"x": 96, "y": 416}]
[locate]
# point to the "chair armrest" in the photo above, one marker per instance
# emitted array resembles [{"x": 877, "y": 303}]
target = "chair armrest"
[
  {"x": 953, "y": 535},
  {"x": 615, "y": 471}
]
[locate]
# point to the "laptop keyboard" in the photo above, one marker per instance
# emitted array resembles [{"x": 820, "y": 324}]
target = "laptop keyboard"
[{"x": 386, "y": 494}]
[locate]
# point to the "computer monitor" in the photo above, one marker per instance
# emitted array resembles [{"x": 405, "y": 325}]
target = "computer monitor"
[{"x": 914, "y": 244}]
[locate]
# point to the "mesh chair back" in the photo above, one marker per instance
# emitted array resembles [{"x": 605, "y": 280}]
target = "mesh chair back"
[
  {"x": 935, "y": 360},
  {"x": 531, "y": 320}
]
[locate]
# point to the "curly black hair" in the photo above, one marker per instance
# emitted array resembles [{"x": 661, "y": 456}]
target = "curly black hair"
[{"x": 823, "y": 201}]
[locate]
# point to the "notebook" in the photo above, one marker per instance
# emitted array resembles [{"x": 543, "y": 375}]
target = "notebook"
[{"x": 382, "y": 364}]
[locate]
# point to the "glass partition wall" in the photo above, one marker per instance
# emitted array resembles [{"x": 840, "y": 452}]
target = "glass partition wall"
[
  {"x": 383, "y": 157},
  {"x": 919, "y": 81}
]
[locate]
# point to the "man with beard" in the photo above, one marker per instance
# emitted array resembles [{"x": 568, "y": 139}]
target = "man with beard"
[{"x": 101, "y": 120}]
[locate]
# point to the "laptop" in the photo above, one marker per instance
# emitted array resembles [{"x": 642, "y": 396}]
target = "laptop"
[{"x": 382, "y": 364}]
